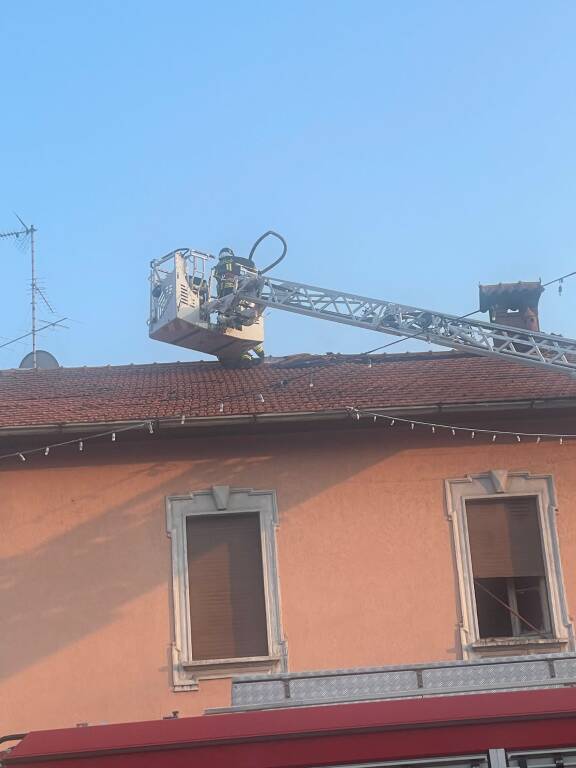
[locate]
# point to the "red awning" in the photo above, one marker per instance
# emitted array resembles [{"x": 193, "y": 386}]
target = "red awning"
[{"x": 329, "y": 735}]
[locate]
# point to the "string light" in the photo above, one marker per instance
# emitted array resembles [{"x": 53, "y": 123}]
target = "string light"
[
  {"x": 221, "y": 409},
  {"x": 261, "y": 397},
  {"x": 182, "y": 420},
  {"x": 150, "y": 428},
  {"x": 473, "y": 431},
  {"x": 77, "y": 441}
]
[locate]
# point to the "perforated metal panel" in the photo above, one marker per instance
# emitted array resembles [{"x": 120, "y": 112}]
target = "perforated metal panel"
[
  {"x": 487, "y": 675},
  {"x": 458, "y": 677},
  {"x": 373, "y": 684}
]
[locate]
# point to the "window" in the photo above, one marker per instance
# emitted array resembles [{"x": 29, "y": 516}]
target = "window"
[
  {"x": 226, "y": 586},
  {"x": 508, "y": 563},
  {"x": 226, "y": 605},
  {"x": 508, "y": 567}
]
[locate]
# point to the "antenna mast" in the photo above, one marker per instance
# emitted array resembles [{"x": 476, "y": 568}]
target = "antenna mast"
[
  {"x": 32, "y": 230},
  {"x": 29, "y": 231}
]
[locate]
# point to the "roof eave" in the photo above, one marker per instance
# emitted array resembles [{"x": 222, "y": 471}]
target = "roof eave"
[{"x": 201, "y": 422}]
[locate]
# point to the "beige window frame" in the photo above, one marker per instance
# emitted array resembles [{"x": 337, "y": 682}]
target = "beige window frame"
[
  {"x": 222, "y": 500},
  {"x": 495, "y": 484}
]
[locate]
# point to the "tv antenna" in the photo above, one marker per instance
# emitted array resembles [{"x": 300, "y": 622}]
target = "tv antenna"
[{"x": 30, "y": 231}]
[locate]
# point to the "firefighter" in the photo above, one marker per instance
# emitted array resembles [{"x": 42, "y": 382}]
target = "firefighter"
[
  {"x": 258, "y": 351},
  {"x": 227, "y": 272}
]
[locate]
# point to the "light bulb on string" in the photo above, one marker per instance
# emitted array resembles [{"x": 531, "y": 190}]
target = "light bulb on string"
[
  {"x": 182, "y": 420},
  {"x": 474, "y": 433},
  {"x": 21, "y": 457},
  {"x": 46, "y": 450},
  {"x": 113, "y": 437},
  {"x": 221, "y": 408},
  {"x": 150, "y": 428},
  {"x": 81, "y": 445}
]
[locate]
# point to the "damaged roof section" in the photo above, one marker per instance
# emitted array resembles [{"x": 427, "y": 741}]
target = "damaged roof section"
[{"x": 299, "y": 384}]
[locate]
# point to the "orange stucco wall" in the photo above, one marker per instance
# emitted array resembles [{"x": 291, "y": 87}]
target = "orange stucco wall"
[{"x": 364, "y": 549}]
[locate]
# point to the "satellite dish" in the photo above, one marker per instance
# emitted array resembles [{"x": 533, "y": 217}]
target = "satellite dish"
[{"x": 44, "y": 360}]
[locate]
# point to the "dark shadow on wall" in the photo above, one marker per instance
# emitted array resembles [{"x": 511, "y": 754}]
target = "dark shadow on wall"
[{"x": 75, "y": 583}]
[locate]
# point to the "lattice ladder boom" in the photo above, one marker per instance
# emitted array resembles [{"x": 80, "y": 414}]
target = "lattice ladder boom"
[{"x": 462, "y": 333}]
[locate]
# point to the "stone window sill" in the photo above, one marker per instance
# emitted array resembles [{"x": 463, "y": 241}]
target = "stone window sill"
[
  {"x": 517, "y": 646},
  {"x": 187, "y": 674},
  {"x": 214, "y": 668}
]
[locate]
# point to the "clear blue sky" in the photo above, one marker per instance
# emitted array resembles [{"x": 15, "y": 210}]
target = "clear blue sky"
[{"x": 407, "y": 150}]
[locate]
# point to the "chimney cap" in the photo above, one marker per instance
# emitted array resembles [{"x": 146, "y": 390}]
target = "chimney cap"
[{"x": 514, "y": 296}]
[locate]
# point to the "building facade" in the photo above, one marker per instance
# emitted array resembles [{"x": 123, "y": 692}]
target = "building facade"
[{"x": 201, "y": 523}]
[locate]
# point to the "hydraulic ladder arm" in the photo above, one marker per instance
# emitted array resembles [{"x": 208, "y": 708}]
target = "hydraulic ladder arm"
[
  {"x": 182, "y": 312},
  {"x": 462, "y": 333}
]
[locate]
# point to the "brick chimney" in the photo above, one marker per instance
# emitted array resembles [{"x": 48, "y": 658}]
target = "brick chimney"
[{"x": 513, "y": 304}]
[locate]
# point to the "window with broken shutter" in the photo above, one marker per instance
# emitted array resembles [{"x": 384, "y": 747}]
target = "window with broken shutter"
[
  {"x": 226, "y": 587},
  {"x": 508, "y": 566}
]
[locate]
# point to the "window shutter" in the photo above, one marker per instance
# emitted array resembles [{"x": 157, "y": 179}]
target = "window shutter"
[
  {"x": 226, "y": 586},
  {"x": 504, "y": 536}
]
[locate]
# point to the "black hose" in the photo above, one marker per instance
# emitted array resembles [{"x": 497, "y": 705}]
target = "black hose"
[{"x": 257, "y": 243}]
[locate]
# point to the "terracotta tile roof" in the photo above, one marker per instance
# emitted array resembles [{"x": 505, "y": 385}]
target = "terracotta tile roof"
[{"x": 302, "y": 383}]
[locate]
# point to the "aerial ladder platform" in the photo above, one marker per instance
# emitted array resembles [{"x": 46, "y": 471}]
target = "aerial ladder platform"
[{"x": 189, "y": 308}]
